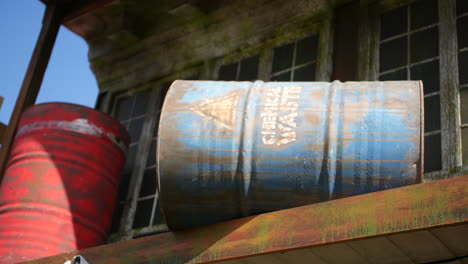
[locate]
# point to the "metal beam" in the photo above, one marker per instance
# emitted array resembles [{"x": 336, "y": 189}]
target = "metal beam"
[
  {"x": 413, "y": 208},
  {"x": 34, "y": 76}
]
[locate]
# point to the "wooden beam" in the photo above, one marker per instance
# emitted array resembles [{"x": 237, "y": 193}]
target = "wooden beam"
[
  {"x": 409, "y": 209},
  {"x": 33, "y": 78}
]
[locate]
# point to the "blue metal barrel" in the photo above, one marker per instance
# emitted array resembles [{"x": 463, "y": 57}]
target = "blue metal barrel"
[{"x": 233, "y": 149}]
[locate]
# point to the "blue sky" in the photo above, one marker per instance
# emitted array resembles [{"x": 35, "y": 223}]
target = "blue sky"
[{"x": 68, "y": 77}]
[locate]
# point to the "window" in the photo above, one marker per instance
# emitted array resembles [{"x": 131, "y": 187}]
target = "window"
[
  {"x": 409, "y": 50},
  {"x": 244, "y": 70},
  {"x": 138, "y": 211},
  {"x": 462, "y": 36},
  {"x": 295, "y": 61},
  {"x": 148, "y": 212},
  {"x": 130, "y": 111}
]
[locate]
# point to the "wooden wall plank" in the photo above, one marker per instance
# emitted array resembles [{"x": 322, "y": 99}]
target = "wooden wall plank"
[
  {"x": 455, "y": 238},
  {"x": 380, "y": 251},
  {"x": 421, "y": 247}
]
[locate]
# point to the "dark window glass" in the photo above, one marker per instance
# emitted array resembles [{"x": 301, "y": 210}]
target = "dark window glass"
[
  {"x": 100, "y": 99},
  {"x": 394, "y": 76},
  {"x": 462, "y": 30},
  {"x": 464, "y": 106},
  {"x": 135, "y": 129},
  {"x": 116, "y": 218},
  {"x": 228, "y": 72},
  {"x": 124, "y": 108},
  {"x": 152, "y": 154},
  {"x": 432, "y": 113},
  {"x": 424, "y": 13},
  {"x": 463, "y": 67},
  {"x": 432, "y": 153},
  {"x": 284, "y": 77},
  {"x": 304, "y": 74},
  {"x": 156, "y": 125},
  {"x": 283, "y": 57},
  {"x": 429, "y": 74},
  {"x": 141, "y": 101},
  {"x": 465, "y": 145},
  {"x": 424, "y": 45},
  {"x": 143, "y": 213},
  {"x": 127, "y": 173},
  {"x": 393, "y": 23},
  {"x": 306, "y": 50},
  {"x": 393, "y": 54},
  {"x": 158, "y": 217},
  {"x": 148, "y": 186},
  {"x": 462, "y": 7},
  {"x": 249, "y": 69}
]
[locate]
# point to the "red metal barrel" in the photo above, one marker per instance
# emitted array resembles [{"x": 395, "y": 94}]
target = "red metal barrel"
[{"x": 59, "y": 189}]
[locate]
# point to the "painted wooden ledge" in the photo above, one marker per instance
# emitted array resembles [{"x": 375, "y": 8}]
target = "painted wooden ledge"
[{"x": 419, "y": 207}]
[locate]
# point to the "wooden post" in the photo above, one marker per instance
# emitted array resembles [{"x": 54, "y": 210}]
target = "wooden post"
[{"x": 33, "y": 78}]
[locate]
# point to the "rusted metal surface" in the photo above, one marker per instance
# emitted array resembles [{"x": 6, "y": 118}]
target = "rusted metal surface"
[
  {"x": 58, "y": 192},
  {"x": 228, "y": 150},
  {"x": 411, "y": 208}
]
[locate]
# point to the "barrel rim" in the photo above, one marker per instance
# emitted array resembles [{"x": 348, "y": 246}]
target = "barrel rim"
[
  {"x": 125, "y": 136},
  {"x": 158, "y": 149}
]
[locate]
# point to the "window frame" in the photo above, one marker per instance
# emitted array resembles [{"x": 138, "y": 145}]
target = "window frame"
[
  {"x": 323, "y": 62},
  {"x": 369, "y": 41}
]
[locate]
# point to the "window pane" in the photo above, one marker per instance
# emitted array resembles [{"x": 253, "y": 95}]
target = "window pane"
[
  {"x": 158, "y": 216},
  {"x": 463, "y": 67},
  {"x": 124, "y": 108},
  {"x": 432, "y": 113},
  {"x": 116, "y": 218},
  {"x": 394, "y": 76},
  {"x": 284, "y": 77},
  {"x": 282, "y": 57},
  {"x": 135, "y": 129},
  {"x": 394, "y": 23},
  {"x": 304, "y": 74},
  {"x": 462, "y": 29},
  {"x": 465, "y": 145},
  {"x": 464, "y": 105},
  {"x": 249, "y": 69},
  {"x": 156, "y": 125},
  {"x": 140, "y": 103},
  {"x": 127, "y": 173},
  {"x": 306, "y": 50},
  {"x": 432, "y": 151},
  {"x": 462, "y": 7},
  {"x": 143, "y": 213},
  {"x": 429, "y": 74},
  {"x": 424, "y": 45},
  {"x": 228, "y": 72},
  {"x": 393, "y": 54},
  {"x": 423, "y": 13},
  {"x": 152, "y": 154},
  {"x": 148, "y": 185}
]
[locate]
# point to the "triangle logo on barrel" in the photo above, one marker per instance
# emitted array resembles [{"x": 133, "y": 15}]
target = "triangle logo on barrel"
[{"x": 221, "y": 110}]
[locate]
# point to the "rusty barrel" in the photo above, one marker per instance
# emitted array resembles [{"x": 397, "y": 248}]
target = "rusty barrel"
[
  {"x": 233, "y": 149},
  {"x": 59, "y": 189}
]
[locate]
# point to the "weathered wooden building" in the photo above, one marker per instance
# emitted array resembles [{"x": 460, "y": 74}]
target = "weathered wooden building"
[{"x": 137, "y": 48}]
